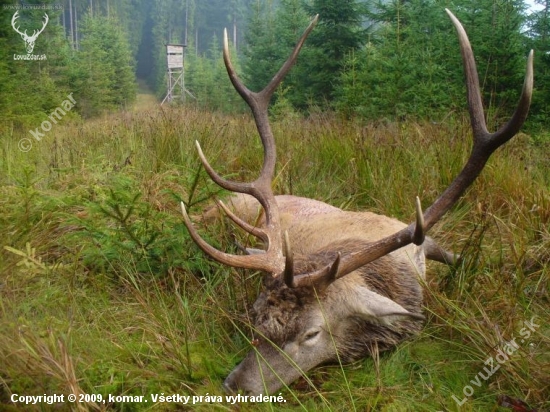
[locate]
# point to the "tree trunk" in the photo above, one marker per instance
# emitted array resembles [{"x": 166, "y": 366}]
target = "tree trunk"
[{"x": 71, "y": 25}]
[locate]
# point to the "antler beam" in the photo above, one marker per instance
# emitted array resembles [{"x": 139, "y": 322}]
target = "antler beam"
[
  {"x": 273, "y": 260},
  {"x": 484, "y": 145}
]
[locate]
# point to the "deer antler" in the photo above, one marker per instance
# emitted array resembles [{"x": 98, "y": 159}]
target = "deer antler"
[
  {"x": 44, "y": 24},
  {"x": 13, "y": 19},
  {"x": 485, "y": 143},
  {"x": 273, "y": 260},
  {"x": 35, "y": 32}
]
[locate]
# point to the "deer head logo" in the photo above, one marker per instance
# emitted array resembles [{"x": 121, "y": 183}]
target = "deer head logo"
[{"x": 29, "y": 40}]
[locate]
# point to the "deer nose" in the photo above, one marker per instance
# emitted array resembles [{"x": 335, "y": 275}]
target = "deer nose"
[
  {"x": 233, "y": 384},
  {"x": 230, "y": 385},
  {"x": 228, "y": 389}
]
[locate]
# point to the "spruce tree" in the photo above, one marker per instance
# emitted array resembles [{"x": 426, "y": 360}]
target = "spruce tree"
[
  {"x": 338, "y": 32},
  {"x": 105, "y": 78},
  {"x": 262, "y": 54},
  {"x": 412, "y": 66}
]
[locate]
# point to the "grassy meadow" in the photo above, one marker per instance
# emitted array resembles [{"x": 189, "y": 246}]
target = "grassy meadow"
[{"x": 103, "y": 292}]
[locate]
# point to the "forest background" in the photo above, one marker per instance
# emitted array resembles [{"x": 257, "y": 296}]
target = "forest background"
[{"x": 370, "y": 59}]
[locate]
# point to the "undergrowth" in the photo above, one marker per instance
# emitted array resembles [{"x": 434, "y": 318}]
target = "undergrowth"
[{"x": 103, "y": 292}]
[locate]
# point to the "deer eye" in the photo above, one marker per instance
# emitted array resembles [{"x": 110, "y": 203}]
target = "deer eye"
[{"x": 311, "y": 334}]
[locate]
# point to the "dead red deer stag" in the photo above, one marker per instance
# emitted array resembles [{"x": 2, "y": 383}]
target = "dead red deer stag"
[{"x": 350, "y": 285}]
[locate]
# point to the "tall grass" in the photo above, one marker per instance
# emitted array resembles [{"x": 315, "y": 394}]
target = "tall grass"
[{"x": 102, "y": 291}]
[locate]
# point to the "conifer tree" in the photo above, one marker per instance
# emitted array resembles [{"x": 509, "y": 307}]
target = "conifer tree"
[
  {"x": 338, "y": 32},
  {"x": 412, "y": 66},
  {"x": 261, "y": 53},
  {"x": 31, "y": 89},
  {"x": 105, "y": 76}
]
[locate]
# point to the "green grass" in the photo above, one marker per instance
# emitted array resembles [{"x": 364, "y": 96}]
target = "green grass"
[
  {"x": 102, "y": 291},
  {"x": 145, "y": 99}
]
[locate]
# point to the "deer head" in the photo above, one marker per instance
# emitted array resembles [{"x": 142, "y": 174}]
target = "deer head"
[
  {"x": 29, "y": 40},
  {"x": 350, "y": 285}
]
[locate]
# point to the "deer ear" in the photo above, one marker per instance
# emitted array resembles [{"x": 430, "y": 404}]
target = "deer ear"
[{"x": 376, "y": 308}]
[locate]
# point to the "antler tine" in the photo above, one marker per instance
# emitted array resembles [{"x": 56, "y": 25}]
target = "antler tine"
[
  {"x": 44, "y": 24},
  {"x": 419, "y": 229},
  {"x": 319, "y": 279},
  {"x": 259, "y": 262},
  {"x": 253, "y": 230},
  {"x": 270, "y": 88},
  {"x": 241, "y": 187},
  {"x": 13, "y": 19},
  {"x": 484, "y": 145},
  {"x": 475, "y": 104}
]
